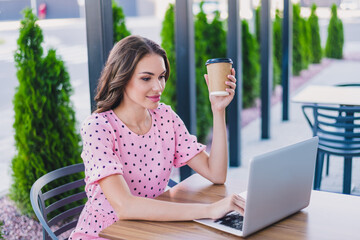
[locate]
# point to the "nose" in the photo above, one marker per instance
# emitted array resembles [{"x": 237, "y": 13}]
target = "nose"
[{"x": 158, "y": 86}]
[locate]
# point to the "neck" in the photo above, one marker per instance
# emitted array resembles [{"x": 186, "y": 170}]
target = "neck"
[{"x": 137, "y": 118}]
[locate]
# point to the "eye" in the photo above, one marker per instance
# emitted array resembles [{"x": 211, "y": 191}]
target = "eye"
[
  {"x": 145, "y": 78},
  {"x": 162, "y": 77}
]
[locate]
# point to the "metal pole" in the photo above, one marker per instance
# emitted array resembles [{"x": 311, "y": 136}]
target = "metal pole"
[
  {"x": 286, "y": 62},
  {"x": 234, "y": 109},
  {"x": 99, "y": 34},
  {"x": 185, "y": 69},
  {"x": 266, "y": 67}
]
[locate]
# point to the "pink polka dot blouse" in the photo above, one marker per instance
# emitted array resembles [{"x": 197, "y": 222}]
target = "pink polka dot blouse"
[{"x": 145, "y": 161}]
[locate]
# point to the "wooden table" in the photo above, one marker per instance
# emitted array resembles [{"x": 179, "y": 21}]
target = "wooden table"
[
  {"x": 329, "y": 216},
  {"x": 323, "y": 94}
]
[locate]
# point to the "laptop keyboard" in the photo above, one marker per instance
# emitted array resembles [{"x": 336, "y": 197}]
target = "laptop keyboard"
[{"x": 233, "y": 220}]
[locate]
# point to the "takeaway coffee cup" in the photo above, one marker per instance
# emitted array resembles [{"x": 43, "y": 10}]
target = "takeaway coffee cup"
[{"x": 218, "y": 69}]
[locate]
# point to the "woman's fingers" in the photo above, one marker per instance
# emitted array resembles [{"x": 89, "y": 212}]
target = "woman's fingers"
[
  {"x": 231, "y": 91},
  {"x": 232, "y": 85},
  {"x": 232, "y": 78},
  {"x": 206, "y": 79},
  {"x": 239, "y": 203}
]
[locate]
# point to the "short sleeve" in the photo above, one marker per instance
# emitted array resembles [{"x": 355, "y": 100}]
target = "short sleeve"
[
  {"x": 186, "y": 145},
  {"x": 98, "y": 153}
]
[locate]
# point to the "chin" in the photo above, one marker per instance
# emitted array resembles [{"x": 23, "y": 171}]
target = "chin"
[{"x": 153, "y": 106}]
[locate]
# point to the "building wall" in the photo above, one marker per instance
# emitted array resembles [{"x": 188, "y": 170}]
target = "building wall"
[
  {"x": 61, "y": 9},
  {"x": 319, "y": 3},
  {"x": 11, "y": 9}
]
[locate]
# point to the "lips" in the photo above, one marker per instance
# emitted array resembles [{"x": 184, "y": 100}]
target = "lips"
[{"x": 155, "y": 98}]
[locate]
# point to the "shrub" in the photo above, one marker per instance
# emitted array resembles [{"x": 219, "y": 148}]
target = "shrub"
[
  {"x": 168, "y": 43},
  {"x": 298, "y": 42},
  {"x": 315, "y": 44},
  {"x": 203, "y": 109},
  {"x": 251, "y": 66},
  {"x": 306, "y": 39},
  {"x": 119, "y": 28},
  {"x": 216, "y": 45},
  {"x": 257, "y": 23},
  {"x": 276, "y": 43},
  {"x": 277, "y": 48},
  {"x": 45, "y": 134},
  {"x": 335, "y": 40}
]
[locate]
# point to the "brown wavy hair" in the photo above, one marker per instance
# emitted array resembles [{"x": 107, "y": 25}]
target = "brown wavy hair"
[{"x": 120, "y": 67}]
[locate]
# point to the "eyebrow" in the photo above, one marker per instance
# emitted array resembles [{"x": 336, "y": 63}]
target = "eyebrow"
[{"x": 150, "y": 73}]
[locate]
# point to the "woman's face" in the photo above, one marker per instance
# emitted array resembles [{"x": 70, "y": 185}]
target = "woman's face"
[{"x": 147, "y": 83}]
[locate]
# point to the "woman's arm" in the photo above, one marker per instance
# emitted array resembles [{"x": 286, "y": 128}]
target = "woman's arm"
[
  {"x": 131, "y": 207},
  {"x": 214, "y": 167}
]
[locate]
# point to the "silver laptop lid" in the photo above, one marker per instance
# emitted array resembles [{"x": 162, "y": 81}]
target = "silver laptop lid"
[{"x": 280, "y": 184}]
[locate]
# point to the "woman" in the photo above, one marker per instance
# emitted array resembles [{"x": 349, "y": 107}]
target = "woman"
[{"x": 131, "y": 142}]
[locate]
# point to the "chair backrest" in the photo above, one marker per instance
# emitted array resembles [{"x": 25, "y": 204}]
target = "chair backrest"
[
  {"x": 348, "y": 85},
  {"x": 338, "y": 128},
  {"x": 42, "y": 211}
]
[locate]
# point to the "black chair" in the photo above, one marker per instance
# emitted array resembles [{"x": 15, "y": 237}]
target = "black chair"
[
  {"x": 38, "y": 198},
  {"x": 338, "y": 129},
  {"x": 328, "y": 155},
  {"x": 42, "y": 211}
]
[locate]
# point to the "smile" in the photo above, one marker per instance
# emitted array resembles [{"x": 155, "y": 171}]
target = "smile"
[{"x": 154, "y": 98}]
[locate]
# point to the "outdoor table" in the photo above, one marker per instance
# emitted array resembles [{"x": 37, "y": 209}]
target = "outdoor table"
[
  {"x": 332, "y": 95},
  {"x": 329, "y": 215}
]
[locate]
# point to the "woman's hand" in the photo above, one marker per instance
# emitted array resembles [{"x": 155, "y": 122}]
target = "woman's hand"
[
  {"x": 231, "y": 203},
  {"x": 219, "y": 103}
]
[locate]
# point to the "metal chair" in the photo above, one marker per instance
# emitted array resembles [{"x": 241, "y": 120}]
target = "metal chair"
[
  {"x": 328, "y": 155},
  {"x": 338, "y": 129},
  {"x": 42, "y": 211},
  {"x": 38, "y": 198}
]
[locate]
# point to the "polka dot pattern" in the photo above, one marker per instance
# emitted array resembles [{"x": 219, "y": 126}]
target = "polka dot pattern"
[{"x": 145, "y": 161}]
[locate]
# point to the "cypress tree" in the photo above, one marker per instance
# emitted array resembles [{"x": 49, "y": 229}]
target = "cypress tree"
[
  {"x": 257, "y": 23},
  {"x": 216, "y": 45},
  {"x": 203, "y": 109},
  {"x": 277, "y": 48},
  {"x": 45, "y": 133},
  {"x": 335, "y": 40},
  {"x": 251, "y": 66},
  {"x": 298, "y": 42},
  {"x": 119, "y": 28},
  {"x": 306, "y": 35},
  {"x": 315, "y": 44},
  {"x": 168, "y": 43},
  {"x": 276, "y": 43}
]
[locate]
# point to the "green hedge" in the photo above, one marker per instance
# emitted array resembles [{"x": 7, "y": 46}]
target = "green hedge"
[
  {"x": 202, "y": 30},
  {"x": 119, "y": 27},
  {"x": 251, "y": 66},
  {"x": 335, "y": 40},
  {"x": 298, "y": 42},
  {"x": 315, "y": 44},
  {"x": 45, "y": 134},
  {"x": 168, "y": 43},
  {"x": 277, "y": 48},
  {"x": 276, "y": 43},
  {"x": 307, "y": 42}
]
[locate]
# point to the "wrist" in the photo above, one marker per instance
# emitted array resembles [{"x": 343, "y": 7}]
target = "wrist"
[
  {"x": 219, "y": 112},
  {"x": 209, "y": 211}
]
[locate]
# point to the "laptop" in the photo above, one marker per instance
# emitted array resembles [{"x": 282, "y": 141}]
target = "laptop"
[{"x": 279, "y": 185}]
